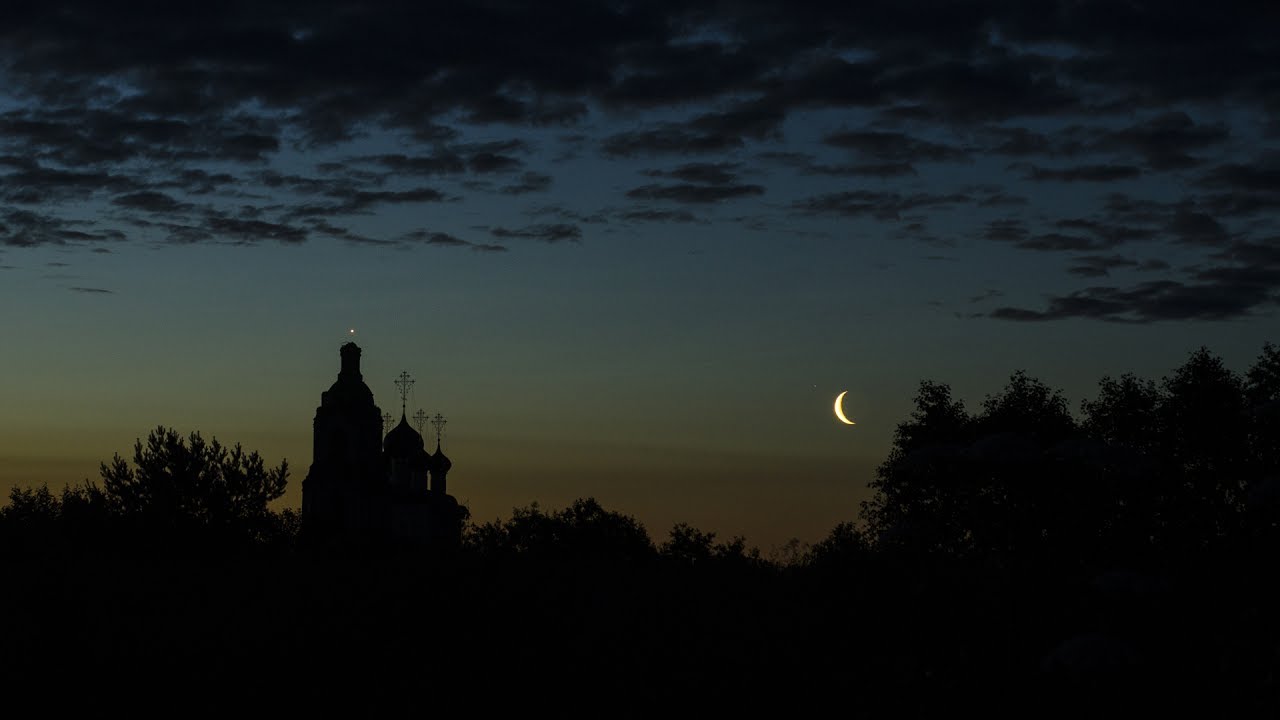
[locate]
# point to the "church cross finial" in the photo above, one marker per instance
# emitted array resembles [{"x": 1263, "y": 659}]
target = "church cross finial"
[
  {"x": 386, "y": 422},
  {"x": 438, "y": 422},
  {"x": 404, "y": 383},
  {"x": 420, "y": 419}
]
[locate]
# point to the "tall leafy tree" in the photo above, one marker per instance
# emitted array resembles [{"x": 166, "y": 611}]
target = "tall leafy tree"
[
  {"x": 1125, "y": 421},
  {"x": 921, "y": 493},
  {"x": 1262, "y": 390},
  {"x": 1204, "y": 427},
  {"x": 185, "y": 480}
]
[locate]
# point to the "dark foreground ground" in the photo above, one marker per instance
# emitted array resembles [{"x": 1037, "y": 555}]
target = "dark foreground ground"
[{"x": 131, "y": 618}]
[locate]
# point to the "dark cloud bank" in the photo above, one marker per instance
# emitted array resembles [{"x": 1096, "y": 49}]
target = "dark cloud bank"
[{"x": 173, "y": 117}]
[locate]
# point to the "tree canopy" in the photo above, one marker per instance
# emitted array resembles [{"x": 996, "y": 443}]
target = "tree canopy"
[
  {"x": 186, "y": 480},
  {"x": 584, "y": 530},
  {"x": 1148, "y": 467}
]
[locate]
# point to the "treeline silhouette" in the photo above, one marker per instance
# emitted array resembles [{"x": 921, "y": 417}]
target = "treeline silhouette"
[{"x": 1020, "y": 559}]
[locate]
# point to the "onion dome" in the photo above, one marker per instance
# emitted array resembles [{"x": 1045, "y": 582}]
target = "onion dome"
[
  {"x": 403, "y": 440},
  {"x": 439, "y": 460}
]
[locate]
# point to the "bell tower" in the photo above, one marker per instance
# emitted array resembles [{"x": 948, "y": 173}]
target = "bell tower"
[{"x": 346, "y": 454}]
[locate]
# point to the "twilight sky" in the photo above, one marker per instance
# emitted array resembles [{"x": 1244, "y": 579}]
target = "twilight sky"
[{"x": 631, "y": 250}]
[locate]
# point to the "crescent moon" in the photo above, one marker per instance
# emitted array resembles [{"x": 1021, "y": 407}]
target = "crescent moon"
[{"x": 840, "y": 410}]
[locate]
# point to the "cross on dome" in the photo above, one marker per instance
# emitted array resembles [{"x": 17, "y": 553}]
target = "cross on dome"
[
  {"x": 404, "y": 383},
  {"x": 438, "y": 422}
]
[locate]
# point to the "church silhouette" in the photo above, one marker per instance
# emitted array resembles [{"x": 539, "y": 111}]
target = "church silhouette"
[{"x": 364, "y": 484}]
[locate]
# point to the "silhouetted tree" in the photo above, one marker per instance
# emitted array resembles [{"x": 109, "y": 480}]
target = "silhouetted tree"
[
  {"x": 1125, "y": 422},
  {"x": 1175, "y": 467},
  {"x": 844, "y": 546},
  {"x": 77, "y": 511},
  {"x": 920, "y": 498},
  {"x": 584, "y": 530},
  {"x": 1262, "y": 390},
  {"x": 687, "y": 545},
  {"x": 31, "y": 506},
  {"x": 1001, "y": 481},
  {"x": 1125, "y": 413},
  {"x": 1204, "y": 427},
  {"x": 176, "y": 480},
  {"x": 1262, "y": 499},
  {"x": 1023, "y": 467}
]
